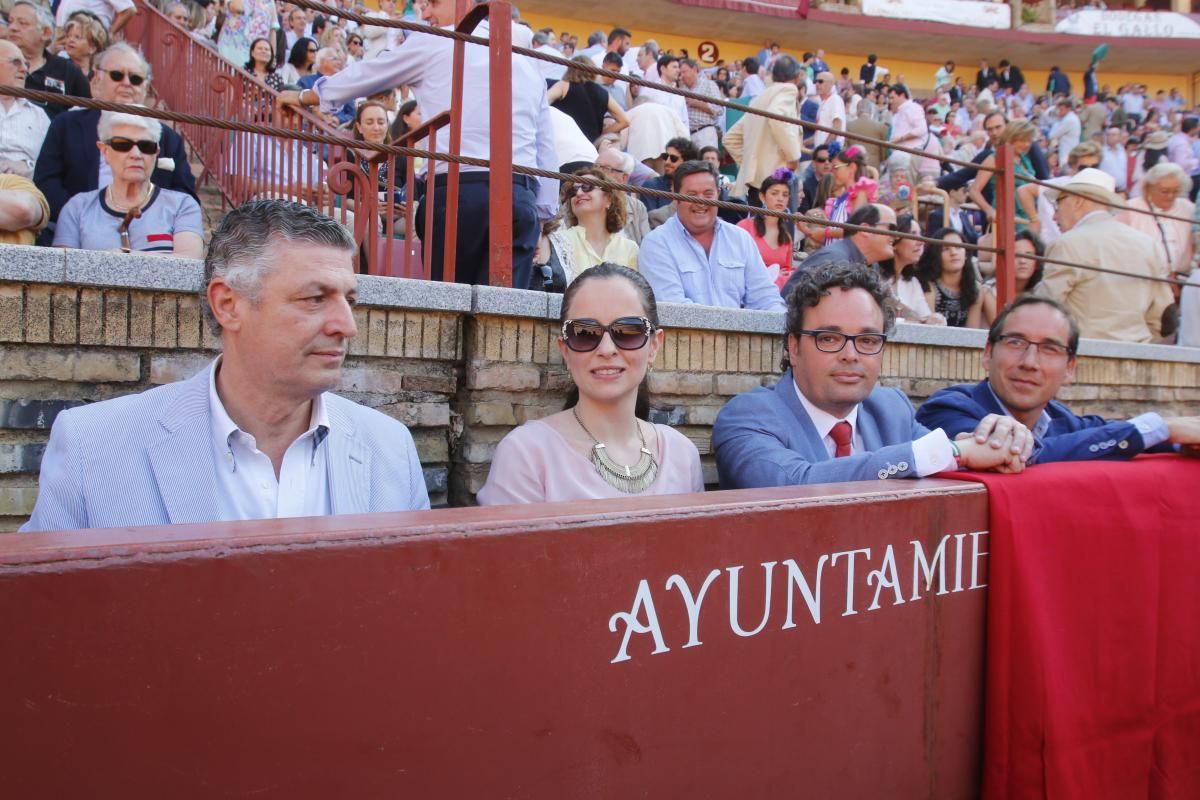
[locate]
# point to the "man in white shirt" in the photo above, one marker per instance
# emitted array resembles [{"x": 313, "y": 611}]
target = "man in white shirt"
[
  {"x": 425, "y": 63},
  {"x": 114, "y": 14},
  {"x": 833, "y": 110},
  {"x": 23, "y": 125},
  {"x": 668, "y": 75},
  {"x": 752, "y": 85},
  {"x": 258, "y": 434},
  {"x": 1067, "y": 132},
  {"x": 1113, "y": 158}
]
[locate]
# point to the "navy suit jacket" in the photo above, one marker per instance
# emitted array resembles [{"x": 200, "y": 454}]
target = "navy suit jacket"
[
  {"x": 148, "y": 459},
  {"x": 970, "y": 232},
  {"x": 69, "y": 163},
  {"x": 766, "y": 438},
  {"x": 961, "y": 177},
  {"x": 958, "y": 409}
]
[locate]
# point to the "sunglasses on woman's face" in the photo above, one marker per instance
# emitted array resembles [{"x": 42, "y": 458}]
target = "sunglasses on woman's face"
[
  {"x": 627, "y": 333},
  {"x": 586, "y": 188},
  {"x": 123, "y": 145}
]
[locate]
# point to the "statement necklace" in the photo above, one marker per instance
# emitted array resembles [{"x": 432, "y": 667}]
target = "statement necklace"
[{"x": 628, "y": 479}]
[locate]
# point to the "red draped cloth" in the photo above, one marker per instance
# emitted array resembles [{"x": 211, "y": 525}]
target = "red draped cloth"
[{"x": 1093, "y": 685}]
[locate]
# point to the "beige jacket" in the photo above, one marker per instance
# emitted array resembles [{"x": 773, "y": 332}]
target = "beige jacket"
[
  {"x": 1109, "y": 306},
  {"x": 760, "y": 145}
]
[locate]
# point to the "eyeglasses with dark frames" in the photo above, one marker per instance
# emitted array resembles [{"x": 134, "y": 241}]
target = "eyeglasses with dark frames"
[
  {"x": 1017, "y": 346},
  {"x": 674, "y": 159},
  {"x": 867, "y": 344},
  {"x": 117, "y": 75},
  {"x": 820, "y": 160},
  {"x": 627, "y": 333},
  {"x": 123, "y": 145}
]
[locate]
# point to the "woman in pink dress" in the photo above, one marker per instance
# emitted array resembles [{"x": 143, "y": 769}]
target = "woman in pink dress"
[
  {"x": 773, "y": 235},
  {"x": 602, "y": 445}
]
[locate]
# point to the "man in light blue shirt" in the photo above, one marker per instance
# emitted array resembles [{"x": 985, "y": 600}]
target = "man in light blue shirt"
[{"x": 695, "y": 257}]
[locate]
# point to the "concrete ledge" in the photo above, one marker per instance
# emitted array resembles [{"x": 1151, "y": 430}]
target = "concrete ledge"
[
  {"x": 134, "y": 271},
  {"x": 502, "y": 302},
  {"x": 32, "y": 264},
  {"x": 907, "y": 333},
  {"x": 374, "y": 290},
  {"x": 711, "y": 318},
  {"x": 1099, "y": 348}
]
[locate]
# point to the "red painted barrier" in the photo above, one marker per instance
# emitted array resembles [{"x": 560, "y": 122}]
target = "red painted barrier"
[{"x": 593, "y": 650}]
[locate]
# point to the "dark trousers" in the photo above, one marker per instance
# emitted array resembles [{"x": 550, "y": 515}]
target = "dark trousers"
[{"x": 471, "y": 259}]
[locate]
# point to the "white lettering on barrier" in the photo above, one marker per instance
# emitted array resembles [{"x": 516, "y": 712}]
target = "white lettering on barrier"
[{"x": 885, "y": 577}]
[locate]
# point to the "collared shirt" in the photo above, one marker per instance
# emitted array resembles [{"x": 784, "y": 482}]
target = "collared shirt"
[
  {"x": 23, "y": 127},
  {"x": 909, "y": 123},
  {"x": 246, "y": 484},
  {"x": 698, "y": 118},
  {"x": 424, "y": 62},
  {"x": 752, "y": 87},
  {"x": 1179, "y": 151},
  {"x": 731, "y": 274},
  {"x": 1115, "y": 162},
  {"x": 618, "y": 250},
  {"x": 1151, "y": 426},
  {"x": 931, "y": 453}
]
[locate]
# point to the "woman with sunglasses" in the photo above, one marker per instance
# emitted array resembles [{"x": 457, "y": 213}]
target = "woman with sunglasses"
[
  {"x": 262, "y": 63},
  {"x": 595, "y": 219},
  {"x": 951, "y": 282},
  {"x": 772, "y": 235},
  {"x": 852, "y": 188},
  {"x": 131, "y": 214},
  {"x": 300, "y": 61},
  {"x": 602, "y": 445},
  {"x": 354, "y": 48}
]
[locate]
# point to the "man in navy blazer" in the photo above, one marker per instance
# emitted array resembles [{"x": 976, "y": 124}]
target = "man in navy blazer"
[
  {"x": 826, "y": 420},
  {"x": 1029, "y": 355},
  {"x": 257, "y": 434},
  {"x": 69, "y": 162}
]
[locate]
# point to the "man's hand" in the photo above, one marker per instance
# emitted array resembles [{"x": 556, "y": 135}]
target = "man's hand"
[
  {"x": 290, "y": 99},
  {"x": 1183, "y": 430},
  {"x": 983, "y": 456},
  {"x": 1002, "y": 432}
]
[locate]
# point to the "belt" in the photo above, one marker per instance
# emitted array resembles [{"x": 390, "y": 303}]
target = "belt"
[
  {"x": 702, "y": 127},
  {"x": 478, "y": 176}
]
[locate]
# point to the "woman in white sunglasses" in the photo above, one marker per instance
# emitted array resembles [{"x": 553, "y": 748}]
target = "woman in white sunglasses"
[{"x": 602, "y": 445}]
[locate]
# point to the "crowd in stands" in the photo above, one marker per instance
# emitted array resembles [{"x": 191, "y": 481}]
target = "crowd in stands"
[{"x": 1129, "y": 151}]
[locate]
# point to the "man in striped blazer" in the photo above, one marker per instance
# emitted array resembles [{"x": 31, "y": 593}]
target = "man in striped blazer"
[{"x": 257, "y": 434}]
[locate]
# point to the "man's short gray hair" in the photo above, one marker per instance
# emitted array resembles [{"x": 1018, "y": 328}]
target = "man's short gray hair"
[
  {"x": 540, "y": 38},
  {"x": 785, "y": 70},
  {"x": 44, "y": 18},
  {"x": 111, "y": 119},
  {"x": 123, "y": 47},
  {"x": 242, "y": 250},
  {"x": 326, "y": 54}
]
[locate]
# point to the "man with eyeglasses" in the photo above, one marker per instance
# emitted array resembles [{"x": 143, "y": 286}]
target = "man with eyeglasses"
[
  {"x": 1030, "y": 354},
  {"x": 827, "y": 420},
  {"x": 617, "y": 166},
  {"x": 70, "y": 160},
  {"x": 23, "y": 124},
  {"x": 31, "y": 28}
]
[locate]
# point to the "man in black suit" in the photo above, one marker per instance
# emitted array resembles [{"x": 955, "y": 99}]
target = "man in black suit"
[
  {"x": 1011, "y": 78},
  {"x": 69, "y": 162},
  {"x": 985, "y": 74}
]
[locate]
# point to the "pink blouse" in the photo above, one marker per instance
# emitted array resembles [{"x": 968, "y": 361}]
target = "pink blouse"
[{"x": 535, "y": 464}]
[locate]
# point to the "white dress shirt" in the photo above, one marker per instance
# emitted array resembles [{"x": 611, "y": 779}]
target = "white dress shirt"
[
  {"x": 106, "y": 10},
  {"x": 674, "y": 102},
  {"x": 424, "y": 62},
  {"x": 23, "y": 128},
  {"x": 246, "y": 484},
  {"x": 832, "y": 108},
  {"x": 932, "y": 453}
]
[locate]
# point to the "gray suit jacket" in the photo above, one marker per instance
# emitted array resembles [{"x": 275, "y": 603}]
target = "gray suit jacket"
[
  {"x": 765, "y": 438},
  {"x": 147, "y": 459}
]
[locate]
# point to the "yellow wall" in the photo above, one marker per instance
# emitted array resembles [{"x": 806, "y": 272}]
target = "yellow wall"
[{"x": 918, "y": 74}]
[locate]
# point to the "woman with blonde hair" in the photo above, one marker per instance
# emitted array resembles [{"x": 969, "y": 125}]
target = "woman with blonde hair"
[
  {"x": 84, "y": 36},
  {"x": 602, "y": 445},
  {"x": 1165, "y": 190},
  {"x": 594, "y": 219},
  {"x": 1020, "y": 133}
]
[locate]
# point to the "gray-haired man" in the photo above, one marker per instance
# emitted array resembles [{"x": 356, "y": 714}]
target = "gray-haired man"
[{"x": 257, "y": 434}]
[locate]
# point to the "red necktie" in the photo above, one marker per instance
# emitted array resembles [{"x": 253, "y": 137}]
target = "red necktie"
[{"x": 841, "y": 434}]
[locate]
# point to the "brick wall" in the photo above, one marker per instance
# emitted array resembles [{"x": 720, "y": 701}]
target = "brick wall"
[{"x": 459, "y": 365}]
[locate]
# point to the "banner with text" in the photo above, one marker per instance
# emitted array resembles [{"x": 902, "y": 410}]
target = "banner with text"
[
  {"x": 952, "y": 12},
  {"x": 1136, "y": 24}
]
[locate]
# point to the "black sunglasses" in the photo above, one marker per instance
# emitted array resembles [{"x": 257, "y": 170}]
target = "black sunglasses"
[
  {"x": 627, "y": 333},
  {"x": 673, "y": 158},
  {"x": 820, "y": 160},
  {"x": 119, "y": 75},
  {"x": 123, "y": 145}
]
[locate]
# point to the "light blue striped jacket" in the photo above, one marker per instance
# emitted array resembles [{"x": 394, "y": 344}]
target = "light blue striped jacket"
[{"x": 147, "y": 459}]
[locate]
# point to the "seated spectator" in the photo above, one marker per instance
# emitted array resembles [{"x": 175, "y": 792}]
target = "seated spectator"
[
  {"x": 1020, "y": 134},
  {"x": 31, "y": 29},
  {"x": 1029, "y": 356},
  {"x": 594, "y": 218},
  {"x": 827, "y": 421},
  {"x": 408, "y": 118},
  {"x": 651, "y": 127},
  {"x": 958, "y": 218},
  {"x": 818, "y": 167},
  {"x": 1026, "y": 271},
  {"x": 23, "y": 125},
  {"x": 586, "y": 102},
  {"x": 900, "y": 276},
  {"x": 697, "y": 258},
  {"x": 245, "y": 21},
  {"x": 70, "y": 161},
  {"x": 83, "y": 38},
  {"x": 329, "y": 61},
  {"x": 951, "y": 281},
  {"x": 355, "y": 48},
  {"x": 772, "y": 235},
  {"x": 180, "y": 14},
  {"x": 1165, "y": 189},
  {"x": 867, "y": 248},
  {"x": 1083, "y": 156},
  {"x": 113, "y": 15},
  {"x": 677, "y": 151},
  {"x": 300, "y": 61},
  {"x": 852, "y": 188},
  {"x": 258, "y": 433},
  {"x": 262, "y": 64},
  {"x": 131, "y": 214},
  {"x": 618, "y": 166},
  {"x": 1106, "y": 305},
  {"x": 610, "y": 337},
  {"x": 23, "y": 210},
  {"x": 371, "y": 125}
]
